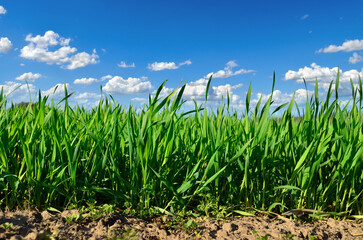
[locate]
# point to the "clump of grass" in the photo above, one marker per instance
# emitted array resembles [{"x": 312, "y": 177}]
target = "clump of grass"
[
  {"x": 7, "y": 226},
  {"x": 90, "y": 213},
  {"x": 129, "y": 234},
  {"x": 173, "y": 160}
]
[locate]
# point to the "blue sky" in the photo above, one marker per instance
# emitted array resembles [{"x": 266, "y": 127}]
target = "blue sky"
[{"x": 130, "y": 47}]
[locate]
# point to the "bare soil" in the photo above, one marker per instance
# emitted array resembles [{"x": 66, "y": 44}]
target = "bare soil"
[{"x": 44, "y": 225}]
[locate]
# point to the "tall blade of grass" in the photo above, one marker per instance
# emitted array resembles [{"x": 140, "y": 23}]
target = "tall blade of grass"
[
  {"x": 337, "y": 85},
  {"x": 207, "y": 88},
  {"x": 248, "y": 97},
  {"x": 273, "y": 83}
]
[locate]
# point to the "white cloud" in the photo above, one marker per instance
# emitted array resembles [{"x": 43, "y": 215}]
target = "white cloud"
[
  {"x": 106, "y": 77},
  {"x": 43, "y": 55},
  {"x": 311, "y": 73},
  {"x": 88, "y": 95},
  {"x": 85, "y": 81},
  {"x": 279, "y": 98},
  {"x": 164, "y": 92},
  {"x": 304, "y": 17},
  {"x": 118, "y": 85},
  {"x": 159, "y": 66},
  {"x": 50, "y": 38},
  {"x": 22, "y": 64},
  {"x": 29, "y": 76},
  {"x": 232, "y": 64},
  {"x": 82, "y": 59},
  {"x": 2, "y": 10},
  {"x": 187, "y": 62},
  {"x": 38, "y": 49},
  {"x": 5, "y": 45},
  {"x": 227, "y": 72},
  {"x": 18, "y": 92},
  {"x": 221, "y": 91},
  {"x": 13, "y": 87},
  {"x": 141, "y": 100},
  {"x": 355, "y": 58},
  {"x": 56, "y": 91},
  {"x": 325, "y": 75},
  {"x": 87, "y": 99},
  {"x": 196, "y": 90},
  {"x": 124, "y": 65},
  {"x": 347, "y": 46}
]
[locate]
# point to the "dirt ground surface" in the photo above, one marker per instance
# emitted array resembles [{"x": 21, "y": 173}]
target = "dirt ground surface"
[{"x": 44, "y": 225}]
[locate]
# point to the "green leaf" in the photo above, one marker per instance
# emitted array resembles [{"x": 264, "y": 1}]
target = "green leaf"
[
  {"x": 207, "y": 89},
  {"x": 242, "y": 213}
]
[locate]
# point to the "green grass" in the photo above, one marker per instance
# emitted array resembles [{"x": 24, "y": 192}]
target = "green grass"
[{"x": 164, "y": 159}]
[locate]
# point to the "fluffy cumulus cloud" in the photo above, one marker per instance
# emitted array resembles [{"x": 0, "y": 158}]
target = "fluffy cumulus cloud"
[
  {"x": 325, "y": 75},
  {"x": 123, "y": 64},
  {"x": 87, "y": 99},
  {"x": 119, "y": 85},
  {"x": 196, "y": 91},
  {"x": 56, "y": 91},
  {"x": 159, "y": 66},
  {"x": 163, "y": 93},
  {"x": 85, "y": 81},
  {"x": 140, "y": 100},
  {"x": 227, "y": 71},
  {"x": 355, "y": 58},
  {"x": 2, "y": 10},
  {"x": 29, "y": 77},
  {"x": 347, "y": 46},
  {"x": 88, "y": 95},
  {"x": 280, "y": 98},
  {"x": 5, "y": 45},
  {"x": 221, "y": 91},
  {"x": 82, "y": 59},
  {"x": 17, "y": 92},
  {"x": 65, "y": 55},
  {"x": 310, "y": 74}
]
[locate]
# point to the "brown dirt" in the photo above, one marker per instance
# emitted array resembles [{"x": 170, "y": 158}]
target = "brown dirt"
[{"x": 44, "y": 225}]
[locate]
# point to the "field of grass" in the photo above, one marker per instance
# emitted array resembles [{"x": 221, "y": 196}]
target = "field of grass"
[{"x": 164, "y": 159}]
